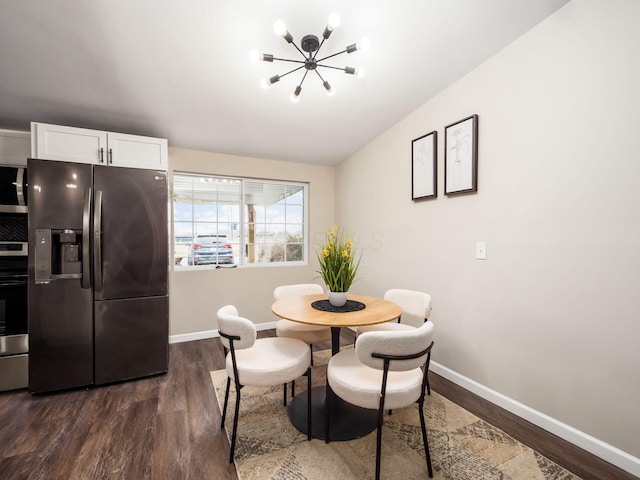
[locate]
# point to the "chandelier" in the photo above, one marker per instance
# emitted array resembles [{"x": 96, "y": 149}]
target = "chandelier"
[{"x": 309, "y": 48}]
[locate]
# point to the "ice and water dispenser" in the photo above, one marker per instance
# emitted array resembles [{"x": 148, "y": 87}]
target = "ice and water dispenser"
[{"x": 58, "y": 255}]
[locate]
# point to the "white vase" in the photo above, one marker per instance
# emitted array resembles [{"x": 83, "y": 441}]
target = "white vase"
[{"x": 338, "y": 299}]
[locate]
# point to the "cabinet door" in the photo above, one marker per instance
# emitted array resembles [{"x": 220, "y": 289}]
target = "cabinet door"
[
  {"x": 15, "y": 148},
  {"x": 135, "y": 151},
  {"x": 68, "y": 144}
]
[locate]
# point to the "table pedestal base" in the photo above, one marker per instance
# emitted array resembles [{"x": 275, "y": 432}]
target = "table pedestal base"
[{"x": 347, "y": 421}]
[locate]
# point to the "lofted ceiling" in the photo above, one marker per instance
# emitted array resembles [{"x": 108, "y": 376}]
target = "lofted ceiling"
[{"x": 181, "y": 70}]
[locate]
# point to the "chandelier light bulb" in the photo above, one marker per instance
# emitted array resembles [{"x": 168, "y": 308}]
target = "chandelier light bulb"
[
  {"x": 280, "y": 28},
  {"x": 295, "y": 96},
  {"x": 274, "y": 79},
  {"x": 267, "y": 82},
  {"x": 363, "y": 44},
  {"x": 328, "y": 88},
  {"x": 255, "y": 56},
  {"x": 334, "y": 21},
  {"x": 357, "y": 71}
]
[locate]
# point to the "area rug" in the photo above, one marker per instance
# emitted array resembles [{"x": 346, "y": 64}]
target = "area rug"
[{"x": 462, "y": 446}]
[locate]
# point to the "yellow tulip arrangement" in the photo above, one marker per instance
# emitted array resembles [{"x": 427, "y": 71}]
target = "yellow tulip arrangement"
[{"x": 338, "y": 266}]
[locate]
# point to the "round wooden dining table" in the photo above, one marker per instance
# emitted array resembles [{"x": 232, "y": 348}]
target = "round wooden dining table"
[{"x": 347, "y": 421}]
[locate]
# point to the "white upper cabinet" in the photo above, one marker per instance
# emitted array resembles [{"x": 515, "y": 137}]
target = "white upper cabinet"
[
  {"x": 68, "y": 144},
  {"x": 14, "y": 148},
  {"x": 71, "y": 144},
  {"x": 136, "y": 151}
]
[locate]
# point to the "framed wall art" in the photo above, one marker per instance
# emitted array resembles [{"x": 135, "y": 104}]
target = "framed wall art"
[
  {"x": 461, "y": 156},
  {"x": 424, "y": 167}
]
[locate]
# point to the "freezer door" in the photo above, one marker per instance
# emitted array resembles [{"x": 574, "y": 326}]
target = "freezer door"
[
  {"x": 131, "y": 338},
  {"x": 60, "y": 336},
  {"x": 60, "y": 312},
  {"x": 130, "y": 233}
]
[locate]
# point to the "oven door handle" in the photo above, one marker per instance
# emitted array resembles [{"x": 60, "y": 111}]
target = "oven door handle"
[
  {"x": 13, "y": 283},
  {"x": 86, "y": 240}
]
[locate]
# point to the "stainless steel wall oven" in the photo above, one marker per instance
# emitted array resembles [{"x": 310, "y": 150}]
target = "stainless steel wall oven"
[
  {"x": 13, "y": 294},
  {"x": 14, "y": 340}
]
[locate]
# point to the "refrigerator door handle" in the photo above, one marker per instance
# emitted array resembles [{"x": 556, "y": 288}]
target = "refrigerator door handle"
[
  {"x": 86, "y": 239},
  {"x": 97, "y": 241}
]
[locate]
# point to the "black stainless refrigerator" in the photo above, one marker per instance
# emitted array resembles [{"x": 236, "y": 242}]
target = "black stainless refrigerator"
[{"x": 98, "y": 259}]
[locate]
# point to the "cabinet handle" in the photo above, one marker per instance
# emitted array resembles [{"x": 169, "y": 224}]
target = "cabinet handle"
[
  {"x": 101, "y": 155},
  {"x": 111, "y": 156}
]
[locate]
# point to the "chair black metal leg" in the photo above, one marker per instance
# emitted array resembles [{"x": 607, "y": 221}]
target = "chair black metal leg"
[
  {"x": 424, "y": 438},
  {"x": 426, "y": 375},
  {"x": 311, "y": 348},
  {"x": 293, "y": 388},
  {"x": 226, "y": 400},
  {"x": 235, "y": 424},
  {"x": 309, "y": 403},
  {"x": 327, "y": 410},
  {"x": 379, "y": 437}
]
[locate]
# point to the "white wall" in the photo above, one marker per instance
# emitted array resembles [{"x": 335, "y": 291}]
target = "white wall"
[
  {"x": 551, "y": 319},
  {"x": 195, "y": 296}
]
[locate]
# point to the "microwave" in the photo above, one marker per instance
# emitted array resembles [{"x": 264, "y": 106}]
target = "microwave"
[{"x": 13, "y": 190}]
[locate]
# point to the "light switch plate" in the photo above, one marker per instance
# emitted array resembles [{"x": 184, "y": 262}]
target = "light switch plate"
[{"x": 481, "y": 250}]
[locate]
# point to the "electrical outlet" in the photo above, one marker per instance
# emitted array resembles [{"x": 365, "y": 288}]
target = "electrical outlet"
[{"x": 481, "y": 250}]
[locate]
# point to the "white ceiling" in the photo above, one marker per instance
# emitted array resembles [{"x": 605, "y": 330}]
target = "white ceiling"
[{"x": 181, "y": 69}]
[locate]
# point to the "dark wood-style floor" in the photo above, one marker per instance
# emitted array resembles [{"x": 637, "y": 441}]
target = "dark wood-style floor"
[{"x": 168, "y": 427}]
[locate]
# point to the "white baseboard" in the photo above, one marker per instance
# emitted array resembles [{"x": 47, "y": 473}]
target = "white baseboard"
[
  {"x": 188, "y": 337},
  {"x": 607, "y": 452}
]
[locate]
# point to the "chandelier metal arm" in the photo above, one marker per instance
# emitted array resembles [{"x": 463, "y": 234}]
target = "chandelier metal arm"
[
  {"x": 323, "y": 80},
  {"x": 315, "y": 54},
  {"x": 298, "y": 48},
  {"x": 330, "y": 56},
  {"x": 289, "y": 60},
  {"x": 331, "y": 66},
  {"x": 291, "y": 71},
  {"x": 303, "y": 77}
]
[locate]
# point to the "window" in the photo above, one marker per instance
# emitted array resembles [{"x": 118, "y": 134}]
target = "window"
[{"x": 233, "y": 221}]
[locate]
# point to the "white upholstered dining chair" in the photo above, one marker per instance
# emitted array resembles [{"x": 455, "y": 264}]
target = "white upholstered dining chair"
[
  {"x": 263, "y": 362},
  {"x": 309, "y": 334},
  {"x": 386, "y": 370},
  {"x": 416, "y": 307}
]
